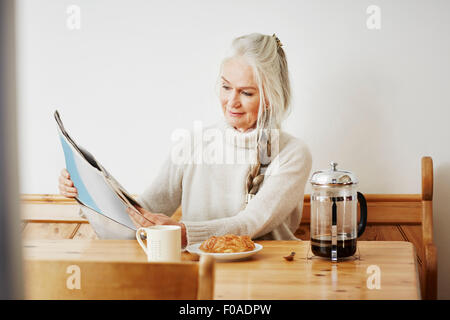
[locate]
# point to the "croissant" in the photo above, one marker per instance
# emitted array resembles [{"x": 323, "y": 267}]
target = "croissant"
[{"x": 228, "y": 243}]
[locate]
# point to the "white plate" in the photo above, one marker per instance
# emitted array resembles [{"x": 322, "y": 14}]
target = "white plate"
[{"x": 194, "y": 248}]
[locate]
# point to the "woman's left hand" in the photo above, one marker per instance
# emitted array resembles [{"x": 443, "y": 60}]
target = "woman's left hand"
[{"x": 147, "y": 218}]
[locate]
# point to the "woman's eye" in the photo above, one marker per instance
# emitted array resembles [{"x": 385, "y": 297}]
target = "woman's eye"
[
  {"x": 248, "y": 94},
  {"x": 226, "y": 87}
]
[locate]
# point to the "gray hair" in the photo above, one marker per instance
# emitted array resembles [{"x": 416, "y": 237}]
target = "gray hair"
[{"x": 266, "y": 57}]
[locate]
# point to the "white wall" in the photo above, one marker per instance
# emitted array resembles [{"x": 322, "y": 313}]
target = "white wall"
[{"x": 374, "y": 101}]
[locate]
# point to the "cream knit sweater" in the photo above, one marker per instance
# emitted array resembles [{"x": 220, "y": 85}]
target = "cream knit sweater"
[{"x": 210, "y": 186}]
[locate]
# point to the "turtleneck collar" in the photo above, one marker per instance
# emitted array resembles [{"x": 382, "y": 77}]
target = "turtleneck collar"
[{"x": 247, "y": 139}]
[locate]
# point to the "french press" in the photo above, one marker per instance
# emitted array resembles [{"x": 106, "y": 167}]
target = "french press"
[{"x": 334, "y": 203}]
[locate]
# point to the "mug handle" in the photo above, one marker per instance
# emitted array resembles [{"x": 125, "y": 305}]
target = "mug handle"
[{"x": 138, "y": 238}]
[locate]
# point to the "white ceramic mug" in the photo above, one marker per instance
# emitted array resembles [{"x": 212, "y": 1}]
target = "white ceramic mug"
[{"x": 163, "y": 243}]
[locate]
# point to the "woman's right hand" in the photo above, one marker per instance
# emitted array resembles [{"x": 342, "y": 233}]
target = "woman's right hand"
[{"x": 66, "y": 187}]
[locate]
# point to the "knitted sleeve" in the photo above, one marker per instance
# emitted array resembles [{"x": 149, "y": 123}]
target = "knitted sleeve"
[
  {"x": 164, "y": 194},
  {"x": 282, "y": 190}
]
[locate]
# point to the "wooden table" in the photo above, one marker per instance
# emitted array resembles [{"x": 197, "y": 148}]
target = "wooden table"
[{"x": 267, "y": 275}]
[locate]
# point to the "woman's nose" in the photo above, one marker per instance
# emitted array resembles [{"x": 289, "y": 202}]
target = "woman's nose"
[{"x": 235, "y": 100}]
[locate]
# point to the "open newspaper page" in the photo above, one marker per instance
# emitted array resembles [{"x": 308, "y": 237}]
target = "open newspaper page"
[{"x": 97, "y": 189}]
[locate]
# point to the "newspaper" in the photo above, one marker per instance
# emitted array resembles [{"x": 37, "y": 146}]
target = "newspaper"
[{"x": 97, "y": 189}]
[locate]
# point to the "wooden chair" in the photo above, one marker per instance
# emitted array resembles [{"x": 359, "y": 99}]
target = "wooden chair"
[
  {"x": 100, "y": 280},
  {"x": 430, "y": 251}
]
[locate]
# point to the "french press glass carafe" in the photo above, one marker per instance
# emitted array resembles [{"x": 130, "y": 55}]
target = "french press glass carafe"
[{"x": 334, "y": 201}]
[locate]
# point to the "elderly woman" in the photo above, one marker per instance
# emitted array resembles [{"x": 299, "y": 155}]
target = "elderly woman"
[{"x": 262, "y": 197}]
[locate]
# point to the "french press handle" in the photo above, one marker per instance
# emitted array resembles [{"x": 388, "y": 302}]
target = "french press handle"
[{"x": 363, "y": 210}]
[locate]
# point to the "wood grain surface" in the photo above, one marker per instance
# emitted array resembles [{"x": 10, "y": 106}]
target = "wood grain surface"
[{"x": 267, "y": 275}]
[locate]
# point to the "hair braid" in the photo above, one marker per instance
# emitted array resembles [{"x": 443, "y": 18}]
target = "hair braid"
[{"x": 255, "y": 178}]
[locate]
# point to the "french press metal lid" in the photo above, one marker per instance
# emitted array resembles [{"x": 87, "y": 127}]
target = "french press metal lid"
[{"x": 333, "y": 177}]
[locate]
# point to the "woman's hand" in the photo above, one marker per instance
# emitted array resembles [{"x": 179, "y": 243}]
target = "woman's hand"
[
  {"x": 66, "y": 187},
  {"x": 146, "y": 219}
]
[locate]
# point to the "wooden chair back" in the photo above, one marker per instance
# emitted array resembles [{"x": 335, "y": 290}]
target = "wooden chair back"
[
  {"x": 429, "y": 249},
  {"x": 101, "y": 280}
]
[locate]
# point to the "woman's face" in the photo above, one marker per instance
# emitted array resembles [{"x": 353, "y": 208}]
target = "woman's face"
[{"x": 239, "y": 94}]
